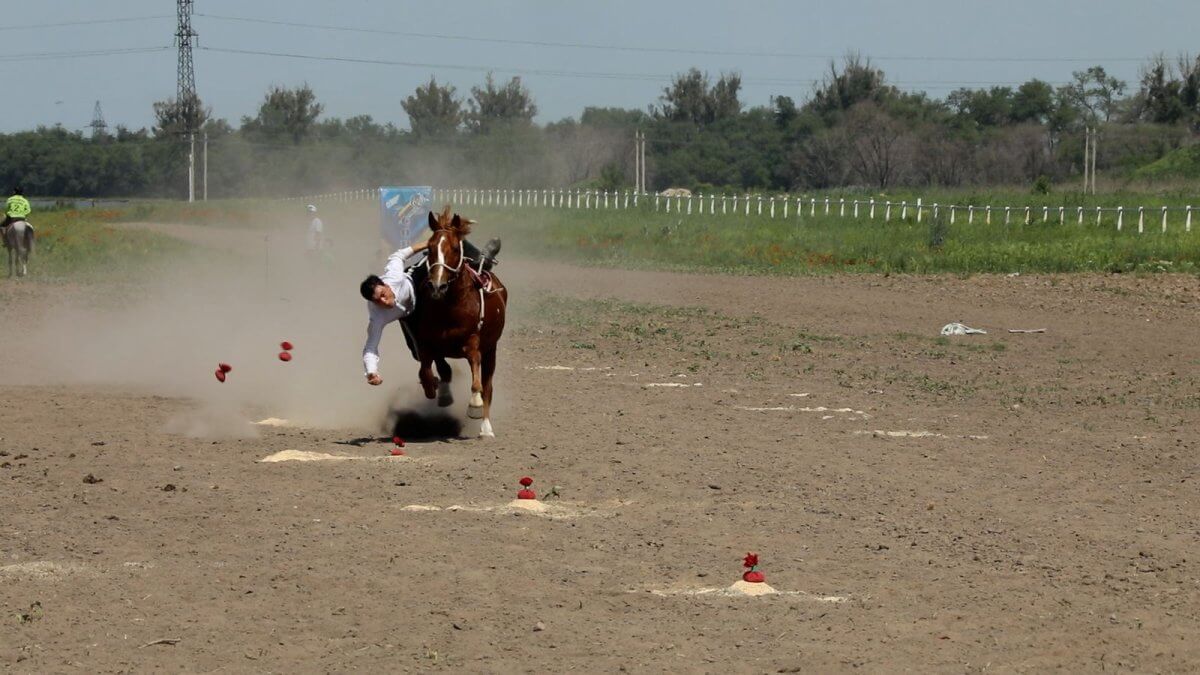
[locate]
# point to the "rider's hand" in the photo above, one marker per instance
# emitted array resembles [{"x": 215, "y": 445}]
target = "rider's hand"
[{"x": 374, "y": 379}]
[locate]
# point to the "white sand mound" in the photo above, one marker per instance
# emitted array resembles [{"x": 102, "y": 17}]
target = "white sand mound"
[
  {"x": 528, "y": 505},
  {"x": 744, "y": 589},
  {"x": 44, "y": 570},
  {"x": 273, "y": 422}
]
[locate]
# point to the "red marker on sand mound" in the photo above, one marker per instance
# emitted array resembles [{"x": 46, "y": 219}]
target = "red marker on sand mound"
[
  {"x": 286, "y": 346},
  {"x": 224, "y": 367},
  {"x": 526, "y": 493},
  {"x": 285, "y": 356},
  {"x": 220, "y": 375},
  {"x": 752, "y": 575}
]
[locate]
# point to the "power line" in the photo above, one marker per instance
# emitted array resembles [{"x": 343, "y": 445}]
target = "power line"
[
  {"x": 90, "y": 22},
  {"x": 45, "y": 56},
  {"x": 645, "y": 77},
  {"x": 669, "y": 50}
]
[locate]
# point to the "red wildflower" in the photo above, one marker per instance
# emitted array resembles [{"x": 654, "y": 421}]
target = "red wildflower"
[
  {"x": 398, "y": 441},
  {"x": 220, "y": 375},
  {"x": 286, "y": 346},
  {"x": 225, "y": 367},
  {"x": 526, "y": 481}
]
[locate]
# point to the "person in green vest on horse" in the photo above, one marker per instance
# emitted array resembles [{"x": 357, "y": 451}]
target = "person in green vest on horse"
[{"x": 17, "y": 207}]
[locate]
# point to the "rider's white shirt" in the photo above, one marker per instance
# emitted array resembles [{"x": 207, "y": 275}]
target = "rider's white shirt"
[
  {"x": 400, "y": 281},
  {"x": 315, "y": 229}
]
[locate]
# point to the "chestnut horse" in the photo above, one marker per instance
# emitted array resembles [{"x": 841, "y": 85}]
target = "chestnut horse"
[{"x": 459, "y": 315}]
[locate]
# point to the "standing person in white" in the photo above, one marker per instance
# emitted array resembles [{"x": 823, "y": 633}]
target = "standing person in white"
[
  {"x": 316, "y": 231},
  {"x": 389, "y": 298}
]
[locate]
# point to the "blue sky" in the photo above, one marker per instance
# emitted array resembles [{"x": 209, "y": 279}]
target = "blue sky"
[{"x": 778, "y": 47}]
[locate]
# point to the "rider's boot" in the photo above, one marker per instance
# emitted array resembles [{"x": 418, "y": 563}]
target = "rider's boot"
[{"x": 490, "y": 251}]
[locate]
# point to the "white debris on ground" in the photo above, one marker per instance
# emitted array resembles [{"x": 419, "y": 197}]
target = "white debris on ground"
[
  {"x": 273, "y": 422},
  {"x": 960, "y": 329},
  {"x": 307, "y": 456},
  {"x": 903, "y": 433}
]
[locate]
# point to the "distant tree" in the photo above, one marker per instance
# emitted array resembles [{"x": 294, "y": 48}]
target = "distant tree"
[
  {"x": 785, "y": 111},
  {"x": 434, "y": 111},
  {"x": 492, "y": 106},
  {"x": 1095, "y": 93},
  {"x": 984, "y": 107},
  {"x": 820, "y": 160},
  {"x": 285, "y": 115},
  {"x": 875, "y": 148},
  {"x": 1033, "y": 102},
  {"x": 691, "y": 98},
  {"x": 617, "y": 118},
  {"x": 174, "y": 118},
  {"x": 856, "y": 82}
]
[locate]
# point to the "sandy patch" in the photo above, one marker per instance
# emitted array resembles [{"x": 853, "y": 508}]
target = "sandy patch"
[{"x": 44, "y": 570}]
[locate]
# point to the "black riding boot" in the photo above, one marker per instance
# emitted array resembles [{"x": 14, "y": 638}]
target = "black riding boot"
[{"x": 487, "y": 255}]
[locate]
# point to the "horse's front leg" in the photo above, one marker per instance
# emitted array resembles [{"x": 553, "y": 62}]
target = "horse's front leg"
[
  {"x": 487, "y": 368},
  {"x": 475, "y": 407},
  {"x": 444, "y": 396},
  {"x": 429, "y": 381}
]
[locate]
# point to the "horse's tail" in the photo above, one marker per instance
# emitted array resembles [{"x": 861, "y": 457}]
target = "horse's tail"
[{"x": 29, "y": 238}]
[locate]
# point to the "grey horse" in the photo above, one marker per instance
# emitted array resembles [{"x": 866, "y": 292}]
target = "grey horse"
[{"x": 18, "y": 239}]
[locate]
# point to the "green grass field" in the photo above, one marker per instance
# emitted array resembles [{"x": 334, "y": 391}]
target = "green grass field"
[
  {"x": 87, "y": 244},
  {"x": 761, "y": 245}
]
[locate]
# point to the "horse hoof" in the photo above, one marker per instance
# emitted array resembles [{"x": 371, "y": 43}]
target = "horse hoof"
[
  {"x": 485, "y": 430},
  {"x": 445, "y": 397},
  {"x": 475, "y": 413},
  {"x": 445, "y": 401}
]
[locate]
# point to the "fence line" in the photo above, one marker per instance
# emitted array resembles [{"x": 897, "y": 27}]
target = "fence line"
[{"x": 792, "y": 207}]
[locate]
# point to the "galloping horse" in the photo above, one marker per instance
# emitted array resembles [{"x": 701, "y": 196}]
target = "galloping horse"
[
  {"x": 18, "y": 239},
  {"x": 459, "y": 315}
]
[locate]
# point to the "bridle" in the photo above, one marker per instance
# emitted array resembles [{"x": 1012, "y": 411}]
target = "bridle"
[{"x": 429, "y": 266}]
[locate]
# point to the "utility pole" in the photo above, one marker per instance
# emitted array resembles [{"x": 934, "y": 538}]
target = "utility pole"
[
  {"x": 1095, "y": 151},
  {"x": 185, "y": 94},
  {"x": 641, "y": 150},
  {"x": 1087, "y": 156},
  {"x": 637, "y": 161},
  {"x": 206, "y": 166}
]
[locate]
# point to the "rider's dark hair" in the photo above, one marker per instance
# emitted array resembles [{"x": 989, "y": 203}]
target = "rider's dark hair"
[
  {"x": 367, "y": 288},
  {"x": 18, "y": 190}
]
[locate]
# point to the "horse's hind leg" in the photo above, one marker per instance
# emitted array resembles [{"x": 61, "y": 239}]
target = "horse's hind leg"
[
  {"x": 487, "y": 366},
  {"x": 444, "y": 396}
]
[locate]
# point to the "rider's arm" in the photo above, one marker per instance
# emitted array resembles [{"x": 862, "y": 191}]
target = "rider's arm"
[
  {"x": 371, "y": 349},
  {"x": 395, "y": 262}
]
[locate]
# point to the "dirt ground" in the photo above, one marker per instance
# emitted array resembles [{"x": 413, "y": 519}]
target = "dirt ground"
[{"x": 1001, "y": 502}]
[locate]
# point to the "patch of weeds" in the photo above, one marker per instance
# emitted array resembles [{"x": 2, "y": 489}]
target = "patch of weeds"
[
  {"x": 33, "y": 614},
  {"x": 802, "y": 347},
  {"x": 583, "y": 345}
]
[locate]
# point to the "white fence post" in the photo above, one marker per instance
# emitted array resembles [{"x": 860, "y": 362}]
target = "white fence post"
[
  {"x": 1141, "y": 219},
  {"x": 786, "y": 202},
  {"x": 904, "y": 210},
  {"x": 1120, "y": 217},
  {"x": 841, "y": 207},
  {"x": 1007, "y": 215},
  {"x": 689, "y": 206},
  {"x": 919, "y": 209},
  {"x": 1062, "y": 215},
  {"x": 1189, "y": 219},
  {"x": 935, "y": 210},
  {"x": 1045, "y": 214},
  {"x": 812, "y": 206},
  {"x": 1164, "y": 219},
  {"x": 1028, "y": 217},
  {"x": 856, "y": 209},
  {"x": 747, "y": 201},
  {"x": 887, "y": 211},
  {"x": 772, "y": 207},
  {"x": 724, "y": 204},
  {"x": 970, "y": 215},
  {"x": 872, "y": 208},
  {"x": 952, "y": 210}
]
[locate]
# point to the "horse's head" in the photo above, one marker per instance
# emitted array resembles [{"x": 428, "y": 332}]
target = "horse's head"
[{"x": 445, "y": 259}]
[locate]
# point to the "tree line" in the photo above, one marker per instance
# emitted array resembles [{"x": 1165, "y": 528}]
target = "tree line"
[{"x": 854, "y": 129}]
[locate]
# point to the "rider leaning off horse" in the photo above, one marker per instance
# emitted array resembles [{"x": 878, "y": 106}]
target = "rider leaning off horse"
[
  {"x": 392, "y": 296},
  {"x": 17, "y": 207}
]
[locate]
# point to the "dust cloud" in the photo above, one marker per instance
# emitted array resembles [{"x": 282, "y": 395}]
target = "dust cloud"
[{"x": 241, "y": 294}]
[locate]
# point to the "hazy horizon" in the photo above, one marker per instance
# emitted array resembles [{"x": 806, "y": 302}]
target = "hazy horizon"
[{"x": 619, "y": 54}]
